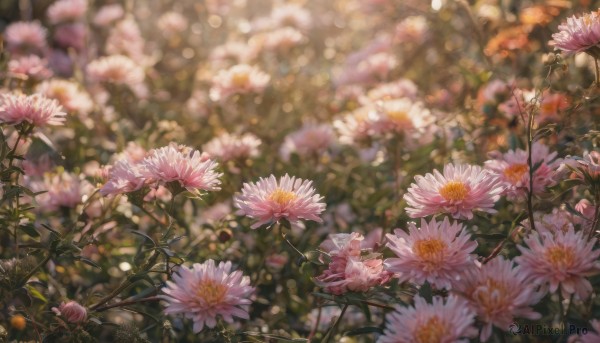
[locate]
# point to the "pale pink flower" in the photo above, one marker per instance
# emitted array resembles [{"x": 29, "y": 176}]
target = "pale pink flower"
[
  {"x": 292, "y": 15},
  {"x": 34, "y": 109},
  {"x": 414, "y": 29},
  {"x": 498, "y": 293},
  {"x": 587, "y": 210},
  {"x": 71, "y": 36},
  {"x": 63, "y": 189},
  {"x": 124, "y": 177},
  {"x": 67, "y": 10},
  {"x": 68, "y": 94},
  {"x": 402, "y": 88},
  {"x": 513, "y": 170},
  {"x": 269, "y": 200},
  {"x": 437, "y": 252},
  {"x": 38, "y": 165},
  {"x": 578, "y": 34},
  {"x": 402, "y": 116},
  {"x": 355, "y": 127},
  {"x": 377, "y": 66},
  {"x": 25, "y": 36},
  {"x": 233, "y": 52},
  {"x": 239, "y": 79},
  {"x": 172, "y": 23},
  {"x": 133, "y": 152},
  {"x": 207, "y": 291},
  {"x": 459, "y": 191},
  {"x": 517, "y": 104},
  {"x": 117, "y": 69},
  {"x": 72, "y": 311},
  {"x": 442, "y": 321},
  {"x": 188, "y": 167},
  {"x": 562, "y": 259},
  {"x": 558, "y": 220},
  {"x": 343, "y": 244},
  {"x": 125, "y": 38},
  {"x": 227, "y": 147},
  {"x": 309, "y": 140},
  {"x": 590, "y": 164},
  {"x": 108, "y": 14},
  {"x": 29, "y": 66},
  {"x": 276, "y": 262},
  {"x": 283, "y": 39}
]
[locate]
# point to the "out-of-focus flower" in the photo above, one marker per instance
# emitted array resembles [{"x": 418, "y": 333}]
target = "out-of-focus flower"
[
  {"x": 590, "y": 165},
  {"x": 402, "y": 88},
  {"x": 67, "y": 10},
  {"x": 578, "y": 34},
  {"x": 189, "y": 168},
  {"x": 405, "y": 117},
  {"x": 71, "y": 35},
  {"x": 412, "y": 30},
  {"x": 562, "y": 259},
  {"x": 551, "y": 105},
  {"x": 498, "y": 293},
  {"x": 355, "y": 127},
  {"x": 508, "y": 41},
  {"x": 108, "y": 14},
  {"x": 72, "y": 311},
  {"x": 437, "y": 252},
  {"x": 588, "y": 336},
  {"x": 512, "y": 169},
  {"x": 518, "y": 104},
  {"x": 63, "y": 189},
  {"x": 117, "y": 69},
  {"x": 24, "y": 36},
  {"x": 276, "y": 261},
  {"x": 207, "y": 291},
  {"x": 34, "y": 109},
  {"x": 459, "y": 191},
  {"x": 239, "y": 79},
  {"x": 60, "y": 62},
  {"x": 37, "y": 166},
  {"x": 587, "y": 210},
  {"x": 282, "y": 39},
  {"x": 68, "y": 95},
  {"x": 29, "y": 66},
  {"x": 377, "y": 66},
  {"x": 442, "y": 321},
  {"x": 124, "y": 177},
  {"x": 361, "y": 66},
  {"x": 309, "y": 140},
  {"x": 227, "y": 147},
  {"x": 126, "y": 39},
  {"x": 269, "y": 200},
  {"x": 538, "y": 14},
  {"x": 291, "y": 15},
  {"x": 172, "y": 23},
  {"x": 232, "y": 52}
]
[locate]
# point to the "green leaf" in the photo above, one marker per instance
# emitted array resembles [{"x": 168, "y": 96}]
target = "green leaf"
[
  {"x": 139, "y": 233},
  {"x": 29, "y": 229},
  {"x": 364, "y": 331}
]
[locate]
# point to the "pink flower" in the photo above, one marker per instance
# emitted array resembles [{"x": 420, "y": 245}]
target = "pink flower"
[
  {"x": 107, "y": 14},
  {"x": 188, "y": 167},
  {"x": 72, "y": 312},
  {"x": 291, "y": 15},
  {"x": 398, "y": 89},
  {"x": 30, "y": 66},
  {"x": 562, "y": 259},
  {"x": 172, "y": 23},
  {"x": 34, "y": 109},
  {"x": 68, "y": 94},
  {"x": 283, "y": 39},
  {"x": 343, "y": 244},
  {"x": 239, "y": 79},
  {"x": 590, "y": 166},
  {"x": 413, "y": 29},
  {"x": 124, "y": 177},
  {"x": 125, "y": 38},
  {"x": 442, "y": 321},
  {"x": 227, "y": 147},
  {"x": 269, "y": 201},
  {"x": 461, "y": 190},
  {"x": 402, "y": 116},
  {"x": 63, "y": 189},
  {"x": 71, "y": 35},
  {"x": 578, "y": 34},
  {"x": 498, "y": 293},
  {"x": 512, "y": 169},
  {"x": 205, "y": 291},
  {"x": 437, "y": 252},
  {"x": 67, "y": 10},
  {"x": 116, "y": 69},
  {"x": 355, "y": 127},
  {"x": 551, "y": 106},
  {"x": 25, "y": 36},
  {"x": 588, "y": 336},
  {"x": 309, "y": 140}
]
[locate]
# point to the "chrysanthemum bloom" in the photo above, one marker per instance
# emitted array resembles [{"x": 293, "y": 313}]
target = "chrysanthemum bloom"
[
  {"x": 62, "y": 190},
  {"x": 377, "y": 66},
  {"x": 402, "y": 116},
  {"x": 309, "y": 140},
  {"x": 172, "y": 23},
  {"x": 34, "y": 109},
  {"x": 498, "y": 293},
  {"x": 440, "y": 322},
  {"x": 108, "y": 14},
  {"x": 343, "y": 244},
  {"x": 555, "y": 221},
  {"x": 269, "y": 200},
  {"x": 239, "y": 79},
  {"x": 227, "y": 147},
  {"x": 461, "y": 190},
  {"x": 291, "y": 15},
  {"x": 578, "y": 34},
  {"x": 68, "y": 94},
  {"x": 124, "y": 177},
  {"x": 25, "y": 36},
  {"x": 282, "y": 39},
  {"x": 125, "y": 38},
  {"x": 205, "y": 291},
  {"x": 67, "y": 10},
  {"x": 590, "y": 166},
  {"x": 355, "y": 127},
  {"x": 232, "y": 52},
  {"x": 71, "y": 311},
  {"x": 191, "y": 169},
  {"x": 117, "y": 69},
  {"x": 437, "y": 252},
  {"x": 512, "y": 169},
  {"x": 414, "y": 29},
  {"x": 562, "y": 259},
  {"x": 29, "y": 66}
]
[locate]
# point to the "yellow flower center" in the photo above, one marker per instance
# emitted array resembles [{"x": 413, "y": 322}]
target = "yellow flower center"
[
  {"x": 560, "y": 257},
  {"x": 282, "y": 197},
  {"x": 398, "y": 116},
  {"x": 240, "y": 79},
  {"x": 429, "y": 249},
  {"x": 211, "y": 292},
  {"x": 515, "y": 172},
  {"x": 454, "y": 191},
  {"x": 432, "y": 331}
]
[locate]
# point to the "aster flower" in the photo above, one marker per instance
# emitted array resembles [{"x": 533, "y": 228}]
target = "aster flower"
[
  {"x": 124, "y": 177},
  {"x": 71, "y": 35},
  {"x": 183, "y": 165},
  {"x": 207, "y": 291},
  {"x": 402, "y": 116},
  {"x": 291, "y": 15},
  {"x": 68, "y": 94},
  {"x": 227, "y": 147},
  {"x": 414, "y": 29},
  {"x": 442, "y": 321},
  {"x": 30, "y": 66},
  {"x": 498, "y": 293},
  {"x": 72, "y": 311},
  {"x": 269, "y": 200},
  {"x": 355, "y": 127},
  {"x": 578, "y": 34},
  {"x": 437, "y": 252},
  {"x": 66, "y": 10},
  {"x": 108, "y": 14},
  {"x": 25, "y": 36},
  {"x": 117, "y": 69},
  {"x": 459, "y": 191},
  {"x": 282, "y": 39},
  {"x": 125, "y": 38},
  {"x": 309, "y": 140},
  {"x": 34, "y": 109},
  {"x": 62, "y": 189},
  {"x": 402, "y": 88},
  {"x": 562, "y": 259},
  {"x": 172, "y": 23},
  {"x": 239, "y": 79}
]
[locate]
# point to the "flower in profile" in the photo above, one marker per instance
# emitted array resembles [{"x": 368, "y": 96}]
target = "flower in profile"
[
  {"x": 562, "y": 259},
  {"x": 442, "y": 321},
  {"x": 589, "y": 166},
  {"x": 459, "y": 191},
  {"x": 227, "y": 147},
  {"x": 578, "y": 34},
  {"x": 68, "y": 94},
  {"x": 309, "y": 140},
  {"x": 269, "y": 200},
  {"x": 29, "y": 66},
  {"x": 498, "y": 293},
  {"x": 124, "y": 177},
  {"x": 184, "y": 166},
  {"x": 34, "y": 109},
  {"x": 116, "y": 69},
  {"x": 437, "y": 252},
  {"x": 67, "y": 10},
  {"x": 25, "y": 36},
  {"x": 239, "y": 79},
  {"x": 108, "y": 14},
  {"x": 72, "y": 311},
  {"x": 207, "y": 291}
]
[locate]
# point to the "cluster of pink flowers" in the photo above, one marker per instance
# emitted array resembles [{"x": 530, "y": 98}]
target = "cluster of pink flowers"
[{"x": 239, "y": 79}]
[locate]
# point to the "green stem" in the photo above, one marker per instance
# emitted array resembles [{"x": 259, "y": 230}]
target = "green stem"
[
  {"x": 531, "y": 171},
  {"x": 127, "y": 303},
  {"x": 331, "y": 331},
  {"x": 126, "y": 283},
  {"x": 35, "y": 269}
]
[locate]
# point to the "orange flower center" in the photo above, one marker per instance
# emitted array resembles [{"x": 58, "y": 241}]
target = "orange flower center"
[
  {"x": 398, "y": 116},
  {"x": 282, "y": 197},
  {"x": 429, "y": 249},
  {"x": 454, "y": 191},
  {"x": 560, "y": 257},
  {"x": 515, "y": 172},
  {"x": 432, "y": 331},
  {"x": 240, "y": 79},
  {"x": 211, "y": 292},
  {"x": 494, "y": 295}
]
